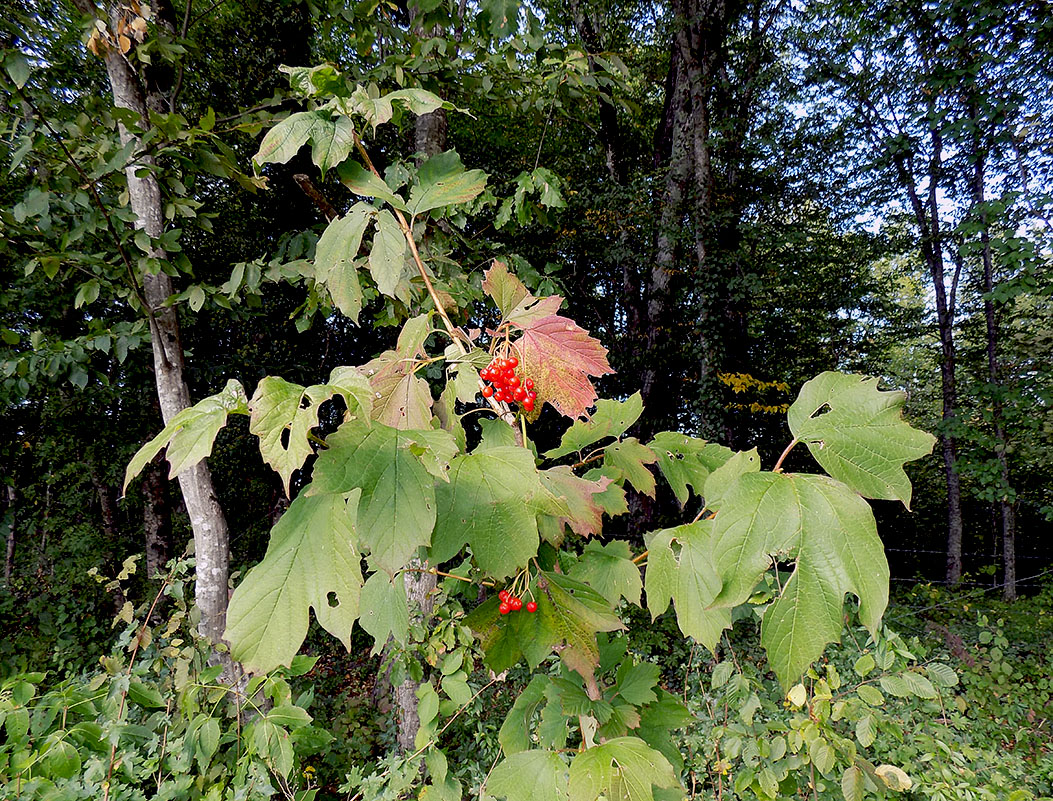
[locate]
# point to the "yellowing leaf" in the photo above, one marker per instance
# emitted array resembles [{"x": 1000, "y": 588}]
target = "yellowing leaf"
[{"x": 190, "y": 434}]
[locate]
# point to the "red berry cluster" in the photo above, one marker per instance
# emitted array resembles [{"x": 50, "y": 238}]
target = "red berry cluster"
[
  {"x": 505, "y": 385},
  {"x": 513, "y": 603}
]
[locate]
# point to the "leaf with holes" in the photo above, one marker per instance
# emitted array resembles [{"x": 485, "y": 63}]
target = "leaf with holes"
[
  {"x": 311, "y": 562},
  {"x": 862, "y": 440},
  {"x": 687, "y": 461},
  {"x": 190, "y": 434},
  {"x": 611, "y": 419},
  {"x": 830, "y": 534},
  {"x": 622, "y": 768},
  {"x": 627, "y": 461},
  {"x": 282, "y": 415},
  {"x": 285, "y": 139},
  {"x": 396, "y": 512},
  {"x": 560, "y": 356}
]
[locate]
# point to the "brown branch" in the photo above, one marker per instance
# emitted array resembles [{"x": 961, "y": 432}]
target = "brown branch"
[{"x": 315, "y": 194}]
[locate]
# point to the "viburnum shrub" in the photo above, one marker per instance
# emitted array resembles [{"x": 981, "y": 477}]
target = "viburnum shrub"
[{"x": 399, "y": 486}]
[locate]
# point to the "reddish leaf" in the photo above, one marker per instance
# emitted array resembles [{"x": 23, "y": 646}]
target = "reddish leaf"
[
  {"x": 580, "y": 494},
  {"x": 560, "y": 356}
]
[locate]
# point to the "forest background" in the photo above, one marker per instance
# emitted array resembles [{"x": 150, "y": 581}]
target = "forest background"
[{"x": 732, "y": 196}]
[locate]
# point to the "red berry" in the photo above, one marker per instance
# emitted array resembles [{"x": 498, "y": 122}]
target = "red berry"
[
  {"x": 504, "y": 608},
  {"x": 513, "y": 362},
  {"x": 516, "y": 604},
  {"x": 528, "y": 405},
  {"x": 531, "y": 606},
  {"x": 488, "y": 391},
  {"x": 532, "y": 395},
  {"x": 520, "y": 394},
  {"x": 503, "y": 595},
  {"x": 529, "y": 383},
  {"x": 513, "y": 381}
]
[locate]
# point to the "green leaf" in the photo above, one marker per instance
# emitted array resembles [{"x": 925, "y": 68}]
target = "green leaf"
[
  {"x": 578, "y": 612},
  {"x": 387, "y": 256},
  {"x": 829, "y": 531},
  {"x": 852, "y": 784},
  {"x": 331, "y": 142},
  {"x": 697, "y": 585},
  {"x": 490, "y": 504},
  {"x": 141, "y": 694},
  {"x": 862, "y": 440},
  {"x": 942, "y": 674},
  {"x": 290, "y": 716},
  {"x": 636, "y": 682},
  {"x": 62, "y": 760},
  {"x": 416, "y": 101},
  {"x": 362, "y": 182},
  {"x": 443, "y": 181},
  {"x": 609, "y": 570},
  {"x": 285, "y": 139},
  {"x": 660, "y": 574},
  {"x": 17, "y": 67},
  {"x": 866, "y": 731},
  {"x": 514, "y": 735},
  {"x": 385, "y": 610},
  {"x": 870, "y": 694},
  {"x": 725, "y": 476},
  {"x": 627, "y": 460},
  {"x": 207, "y": 741},
  {"x": 611, "y": 419},
  {"x": 530, "y": 776},
  {"x": 311, "y": 561},
  {"x": 622, "y": 768},
  {"x": 282, "y": 416},
  {"x": 687, "y": 461},
  {"x": 334, "y": 257},
  {"x": 190, "y": 434},
  {"x": 504, "y": 288},
  {"x": 396, "y": 512}
]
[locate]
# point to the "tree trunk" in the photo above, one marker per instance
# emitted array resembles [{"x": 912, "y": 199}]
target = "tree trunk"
[
  {"x": 107, "y": 502},
  {"x": 994, "y": 380},
  {"x": 157, "y": 518},
  {"x": 140, "y": 95},
  {"x": 9, "y": 558}
]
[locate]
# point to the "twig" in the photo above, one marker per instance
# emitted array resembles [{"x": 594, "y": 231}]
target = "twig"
[
  {"x": 782, "y": 456},
  {"x": 501, "y": 409}
]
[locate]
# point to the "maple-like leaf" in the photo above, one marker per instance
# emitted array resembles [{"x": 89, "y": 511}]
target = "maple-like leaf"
[
  {"x": 560, "y": 356},
  {"x": 586, "y": 514}
]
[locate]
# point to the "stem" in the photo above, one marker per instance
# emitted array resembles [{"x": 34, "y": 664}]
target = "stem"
[
  {"x": 501, "y": 409},
  {"x": 640, "y": 558},
  {"x": 778, "y": 464}
]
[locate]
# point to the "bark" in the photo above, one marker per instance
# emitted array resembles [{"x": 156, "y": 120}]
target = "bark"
[
  {"x": 1007, "y": 513},
  {"x": 9, "y": 558},
  {"x": 140, "y": 94},
  {"x": 686, "y": 202},
  {"x": 157, "y": 518},
  {"x": 107, "y": 496},
  {"x": 926, "y": 217}
]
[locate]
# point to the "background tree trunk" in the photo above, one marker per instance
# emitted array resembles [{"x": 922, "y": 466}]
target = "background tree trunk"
[
  {"x": 140, "y": 95},
  {"x": 157, "y": 518},
  {"x": 9, "y": 557}
]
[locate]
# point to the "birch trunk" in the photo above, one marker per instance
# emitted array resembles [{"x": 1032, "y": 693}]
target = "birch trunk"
[{"x": 136, "y": 94}]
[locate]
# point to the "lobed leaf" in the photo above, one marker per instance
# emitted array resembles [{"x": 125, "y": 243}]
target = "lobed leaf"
[
  {"x": 862, "y": 440},
  {"x": 611, "y": 419},
  {"x": 312, "y": 557},
  {"x": 687, "y": 461},
  {"x": 622, "y": 768},
  {"x": 190, "y": 434}
]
